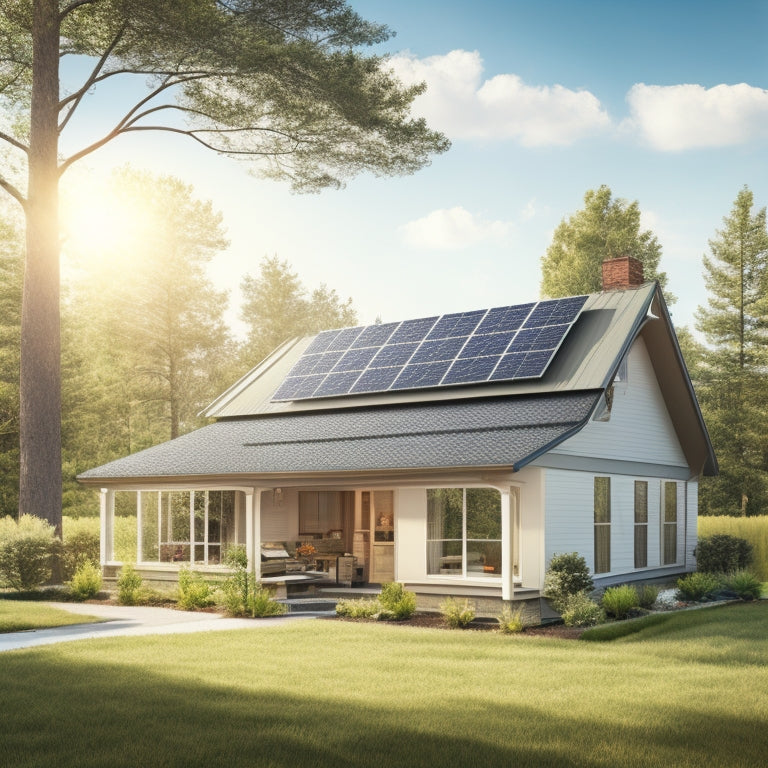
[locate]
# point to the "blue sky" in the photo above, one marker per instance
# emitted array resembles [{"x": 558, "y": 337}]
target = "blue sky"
[{"x": 665, "y": 102}]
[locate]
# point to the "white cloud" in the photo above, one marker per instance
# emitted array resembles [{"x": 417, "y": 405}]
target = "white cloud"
[
  {"x": 453, "y": 229},
  {"x": 678, "y": 117},
  {"x": 463, "y": 105}
]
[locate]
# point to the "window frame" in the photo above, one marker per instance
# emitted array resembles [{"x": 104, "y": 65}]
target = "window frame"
[
  {"x": 669, "y": 518},
  {"x": 602, "y": 524},
  {"x": 641, "y": 524},
  {"x": 465, "y": 541}
]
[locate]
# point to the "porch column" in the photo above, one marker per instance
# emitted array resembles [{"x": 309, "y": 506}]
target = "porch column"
[
  {"x": 106, "y": 520},
  {"x": 139, "y": 528},
  {"x": 507, "y": 548},
  {"x": 253, "y": 531}
]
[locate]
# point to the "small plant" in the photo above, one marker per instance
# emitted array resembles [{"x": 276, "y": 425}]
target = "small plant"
[
  {"x": 261, "y": 603},
  {"x": 697, "y": 586},
  {"x": 646, "y": 596},
  {"x": 358, "y": 609},
  {"x": 580, "y": 610},
  {"x": 194, "y": 591},
  {"x": 86, "y": 581},
  {"x": 744, "y": 584},
  {"x": 396, "y": 601},
  {"x": 129, "y": 586},
  {"x": 618, "y": 602},
  {"x": 510, "y": 622},
  {"x": 722, "y": 553},
  {"x": 567, "y": 575},
  {"x": 457, "y": 615},
  {"x": 27, "y": 548}
]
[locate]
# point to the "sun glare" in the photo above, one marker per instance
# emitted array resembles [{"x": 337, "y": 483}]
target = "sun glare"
[{"x": 99, "y": 219}]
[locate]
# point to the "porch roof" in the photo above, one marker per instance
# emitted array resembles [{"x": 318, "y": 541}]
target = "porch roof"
[{"x": 498, "y": 432}]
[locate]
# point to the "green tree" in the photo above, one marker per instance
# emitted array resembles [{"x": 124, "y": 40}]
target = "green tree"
[
  {"x": 605, "y": 228},
  {"x": 145, "y": 342},
  {"x": 733, "y": 377},
  {"x": 283, "y": 81},
  {"x": 11, "y": 265},
  {"x": 276, "y": 307}
]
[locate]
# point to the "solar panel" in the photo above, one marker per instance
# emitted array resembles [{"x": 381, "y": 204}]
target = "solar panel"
[{"x": 499, "y": 344}]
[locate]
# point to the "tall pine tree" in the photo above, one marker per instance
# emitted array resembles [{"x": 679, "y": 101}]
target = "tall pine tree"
[{"x": 733, "y": 380}]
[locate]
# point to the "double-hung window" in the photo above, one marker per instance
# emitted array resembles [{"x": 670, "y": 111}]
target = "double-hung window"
[
  {"x": 669, "y": 524},
  {"x": 602, "y": 524},
  {"x": 641, "y": 524}
]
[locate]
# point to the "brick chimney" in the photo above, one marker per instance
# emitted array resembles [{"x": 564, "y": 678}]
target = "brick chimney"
[{"x": 622, "y": 273}]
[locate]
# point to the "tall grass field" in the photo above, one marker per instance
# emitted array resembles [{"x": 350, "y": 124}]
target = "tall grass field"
[{"x": 753, "y": 529}]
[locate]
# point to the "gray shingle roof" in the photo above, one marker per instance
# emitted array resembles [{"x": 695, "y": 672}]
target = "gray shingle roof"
[{"x": 484, "y": 433}]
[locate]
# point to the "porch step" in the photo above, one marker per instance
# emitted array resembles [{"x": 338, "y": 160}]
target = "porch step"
[{"x": 310, "y": 605}]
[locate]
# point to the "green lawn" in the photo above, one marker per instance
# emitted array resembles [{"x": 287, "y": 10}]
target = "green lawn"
[
  {"x": 20, "y": 615},
  {"x": 691, "y": 691}
]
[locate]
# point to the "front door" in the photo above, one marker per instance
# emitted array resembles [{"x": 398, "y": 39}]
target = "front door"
[{"x": 377, "y": 519}]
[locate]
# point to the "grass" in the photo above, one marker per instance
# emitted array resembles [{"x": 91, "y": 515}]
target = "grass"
[
  {"x": 753, "y": 529},
  {"x": 21, "y": 615},
  {"x": 691, "y": 691}
]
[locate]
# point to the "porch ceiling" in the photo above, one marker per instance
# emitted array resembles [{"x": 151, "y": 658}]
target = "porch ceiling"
[{"x": 504, "y": 432}]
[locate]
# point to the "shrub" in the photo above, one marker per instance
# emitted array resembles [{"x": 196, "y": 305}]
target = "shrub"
[
  {"x": 696, "y": 586},
  {"x": 722, "y": 553},
  {"x": 510, "y": 622},
  {"x": 619, "y": 601},
  {"x": 261, "y": 603},
  {"x": 86, "y": 581},
  {"x": 456, "y": 614},
  {"x": 194, "y": 591},
  {"x": 358, "y": 609},
  {"x": 745, "y": 584},
  {"x": 79, "y": 547},
  {"x": 567, "y": 575},
  {"x": 646, "y": 596},
  {"x": 396, "y": 601},
  {"x": 580, "y": 610},
  {"x": 129, "y": 586},
  {"x": 27, "y": 548},
  {"x": 753, "y": 529}
]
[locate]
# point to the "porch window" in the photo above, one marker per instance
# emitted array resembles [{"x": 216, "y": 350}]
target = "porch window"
[
  {"x": 192, "y": 527},
  {"x": 602, "y": 524},
  {"x": 641, "y": 524},
  {"x": 464, "y": 532},
  {"x": 669, "y": 525}
]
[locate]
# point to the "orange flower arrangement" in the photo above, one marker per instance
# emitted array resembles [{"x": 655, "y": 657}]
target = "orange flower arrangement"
[{"x": 305, "y": 550}]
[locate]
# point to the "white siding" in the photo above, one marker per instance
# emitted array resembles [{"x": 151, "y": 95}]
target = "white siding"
[
  {"x": 569, "y": 515},
  {"x": 410, "y": 534},
  {"x": 279, "y": 515},
  {"x": 639, "y": 428}
]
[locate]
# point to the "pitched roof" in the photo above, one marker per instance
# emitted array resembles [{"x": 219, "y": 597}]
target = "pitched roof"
[
  {"x": 481, "y": 433},
  {"x": 505, "y": 424}
]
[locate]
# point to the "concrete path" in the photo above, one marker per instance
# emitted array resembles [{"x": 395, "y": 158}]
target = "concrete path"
[{"x": 124, "y": 621}]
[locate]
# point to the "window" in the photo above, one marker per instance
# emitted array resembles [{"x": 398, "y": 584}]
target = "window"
[
  {"x": 464, "y": 532},
  {"x": 319, "y": 512},
  {"x": 602, "y": 524},
  {"x": 669, "y": 524},
  {"x": 641, "y": 524}
]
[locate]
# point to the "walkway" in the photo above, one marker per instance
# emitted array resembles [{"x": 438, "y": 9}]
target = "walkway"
[{"x": 125, "y": 621}]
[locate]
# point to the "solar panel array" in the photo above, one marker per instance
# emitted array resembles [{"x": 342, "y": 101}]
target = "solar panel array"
[{"x": 500, "y": 344}]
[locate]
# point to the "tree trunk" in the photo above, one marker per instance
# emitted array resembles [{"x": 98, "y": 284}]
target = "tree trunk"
[{"x": 40, "y": 381}]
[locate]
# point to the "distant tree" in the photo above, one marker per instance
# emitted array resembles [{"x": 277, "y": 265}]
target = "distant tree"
[
  {"x": 282, "y": 81},
  {"x": 276, "y": 308},
  {"x": 733, "y": 387},
  {"x": 11, "y": 267},
  {"x": 145, "y": 342},
  {"x": 604, "y": 229}
]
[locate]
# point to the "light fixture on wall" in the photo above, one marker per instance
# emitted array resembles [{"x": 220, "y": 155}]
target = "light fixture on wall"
[{"x": 277, "y": 497}]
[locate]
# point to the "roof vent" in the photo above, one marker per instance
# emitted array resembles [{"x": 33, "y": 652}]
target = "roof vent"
[{"x": 621, "y": 273}]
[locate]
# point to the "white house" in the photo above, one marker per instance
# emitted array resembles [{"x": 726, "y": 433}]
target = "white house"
[{"x": 453, "y": 454}]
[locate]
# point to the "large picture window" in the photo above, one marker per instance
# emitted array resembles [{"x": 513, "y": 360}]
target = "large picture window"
[
  {"x": 602, "y": 524},
  {"x": 669, "y": 525},
  {"x": 464, "y": 532}
]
